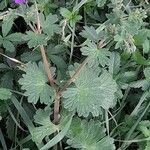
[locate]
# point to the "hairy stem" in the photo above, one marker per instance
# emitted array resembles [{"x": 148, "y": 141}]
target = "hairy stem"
[
  {"x": 56, "y": 113},
  {"x": 47, "y": 66},
  {"x": 77, "y": 72},
  {"x": 72, "y": 43},
  {"x": 56, "y": 108},
  {"x": 43, "y": 54}
]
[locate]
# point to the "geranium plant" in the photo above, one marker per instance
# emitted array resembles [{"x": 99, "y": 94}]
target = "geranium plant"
[{"x": 75, "y": 74}]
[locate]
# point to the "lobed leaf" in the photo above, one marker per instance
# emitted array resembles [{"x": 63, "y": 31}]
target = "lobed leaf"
[
  {"x": 34, "y": 82},
  {"x": 46, "y": 127},
  {"x": 91, "y": 137},
  {"x": 49, "y": 25},
  {"x": 95, "y": 55},
  {"x": 90, "y": 93},
  {"x": 7, "y": 24},
  {"x": 34, "y": 39}
]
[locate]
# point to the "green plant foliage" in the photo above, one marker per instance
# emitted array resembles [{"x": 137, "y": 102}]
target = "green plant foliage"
[
  {"x": 3, "y": 4},
  {"x": 142, "y": 39},
  {"x": 55, "y": 55},
  {"x": 144, "y": 128},
  {"x": 15, "y": 37},
  {"x": 90, "y": 93},
  {"x": 31, "y": 56},
  {"x": 147, "y": 73},
  {"x": 91, "y": 136},
  {"x": 114, "y": 63},
  {"x": 34, "y": 82},
  {"x": 45, "y": 128},
  {"x": 49, "y": 25},
  {"x": 35, "y": 39},
  {"x": 4, "y": 94},
  {"x": 139, "y": 59},
  {"x": 74, "y": 74},
  {"x": 101, "y": 3},
  {"x": 7, "y": 24},
  {"x": 72, "y": 17},
  {"x": 8, "y": 41},
  {"x": 90, "y": 33},
  {"x": 95, "y": 55}
]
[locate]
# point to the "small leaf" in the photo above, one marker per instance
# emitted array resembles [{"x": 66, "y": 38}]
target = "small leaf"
[
  {"x": 46, "y": 127},
  {"x": 7, "y": 80},
  {"x": 49, "y": 25},
  {"x": 75, "y": 127},
  {"x": 58, "y": 137},
  {"x": 65, "y": 13},
  {"x": 7, "y": 24},
  {"x": 54, "y": 53},
  {"x": 95, "y": 55},
  {"x": 146, "y": 46},
  {"x": 125, "y": 55},
  {"x": 15, "y": 37},
  {"x": 9, "y": 46},
  {"x": 139, "y": 59},
  {"x": 35, "y": 39},
  {"x": 31, "y": 56},
  {"x": 144, "y": 127},
  {"x": 101, "y": 3},
  {"x": 4, "y": 94},
  {"x": 138, "y": 83},
  {"x": 90, "y": 33},
  {"x": 147, "y": 73},
  {"x": 58, "y": 61},
  {"x": 72, "y": 17}
]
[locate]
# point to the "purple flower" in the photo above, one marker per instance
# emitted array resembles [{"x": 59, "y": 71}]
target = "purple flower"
[{"x": 20, "y": 1}]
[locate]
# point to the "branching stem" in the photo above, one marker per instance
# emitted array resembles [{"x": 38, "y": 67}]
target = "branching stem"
[
  {"x": 50, "y": 77},
  {"x": 77, "y": 72}
]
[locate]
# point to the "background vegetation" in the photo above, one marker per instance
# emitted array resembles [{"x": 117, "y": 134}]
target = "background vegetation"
[{"x": 75, "y": 74}]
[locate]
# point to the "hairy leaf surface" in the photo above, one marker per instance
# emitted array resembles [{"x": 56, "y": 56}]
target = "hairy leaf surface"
[
  {"x": 4, "y": 94},
  {"x": 35, "y": 39},
  {"x": 90, "y": 93},
  {"x": 95, "y": 55},
  {"x": 45, "y": 128},
  {"x": 34, "y": 82},
  {"x": 91, "y": 137}
]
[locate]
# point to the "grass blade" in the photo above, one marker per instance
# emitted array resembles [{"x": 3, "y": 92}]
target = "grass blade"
[
  {"x": 128, "y": 135},
  {"x": 25, "y": 117},
  {"x": 2, "y": 140},
  {"x": 14, "y": 119},
  {"x": 78, "y": 6},
  {"x": 26, "y": 139},
  {"x": 142, "y": 99},
  {"x": 22, "y": 112}
]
